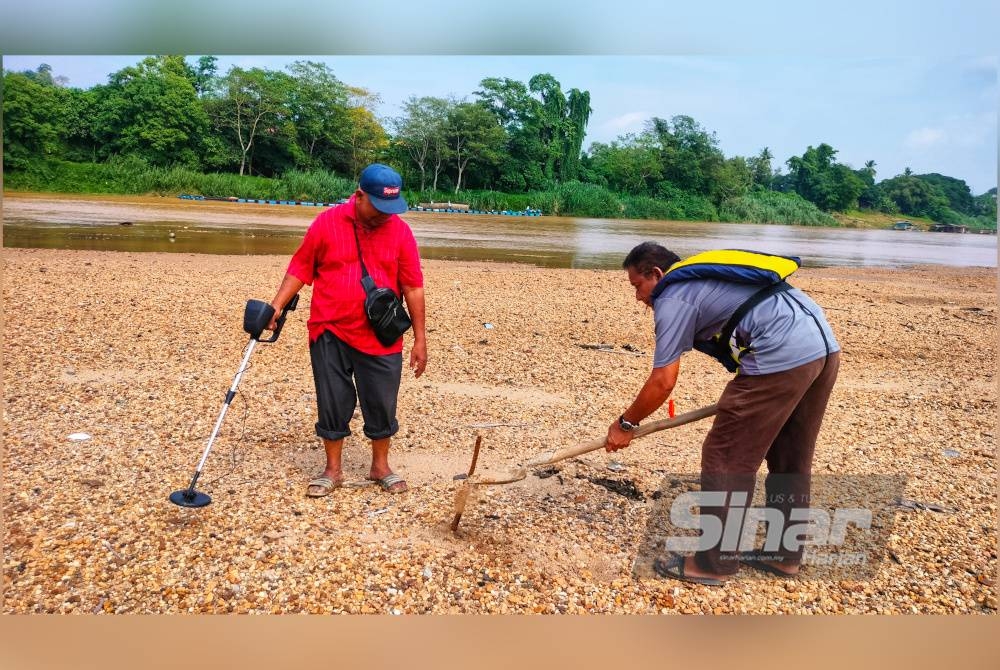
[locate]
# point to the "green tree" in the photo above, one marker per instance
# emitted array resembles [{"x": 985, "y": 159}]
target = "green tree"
[
  {"x": 630, "y": 164},
  {"x": 689, "y": 154},
  {"x": 473, "y": 137},
  {"x": 578, "y": 111},
  {"x": 870, "y": 197},
  {"x": 916, "y": 197},
  {"x": 203, "y": 74},
  {"x": 561, "y": 125},
  {"x": 79, "y": 111},
  {"x": 250, "y": 103},
  {"x": 545, "y": 129},
  {"x": 520, "y": 115},
  {"x": 956, "y": 190},
  {"x": 34, "y": 117},
  {"x": 985, "y": 205},
  {"x": 731, "y": 180},
  {"x": 318, "y": 105},
  {"x": 760, "y": 168},
  {"x": 365, "y": 138},
  {"x": 508, "y": 100},
  {"x": 151, "y": 110},
  {"x": 820, "y": 180},
  {"x": 421, "y": 133}
]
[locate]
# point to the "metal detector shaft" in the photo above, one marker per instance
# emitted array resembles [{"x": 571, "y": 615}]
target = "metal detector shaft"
[
  {"x": 225, "y": 408},
  {"x": 256, "y": 317},
  {"x": 189, "y": 497}
]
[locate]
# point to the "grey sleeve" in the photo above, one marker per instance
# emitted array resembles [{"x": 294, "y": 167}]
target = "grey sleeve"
[{"x": 674, "y": 322}]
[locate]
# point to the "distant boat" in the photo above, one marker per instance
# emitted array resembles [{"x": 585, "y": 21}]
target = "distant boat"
[
  {"x": 257, "y": 201},
  {"x": 444, "y": 206},
  {"x": 460, "y": 208},
  {"x": 902, "y": 225},
  {"x": 947, "y": 228}
]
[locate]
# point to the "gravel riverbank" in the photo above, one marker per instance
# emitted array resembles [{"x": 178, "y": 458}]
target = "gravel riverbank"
[{"x": 137, "y": 351}]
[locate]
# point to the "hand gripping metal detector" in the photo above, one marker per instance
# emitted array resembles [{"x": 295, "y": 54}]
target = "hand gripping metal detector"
[{"x": 256, "y": 317}]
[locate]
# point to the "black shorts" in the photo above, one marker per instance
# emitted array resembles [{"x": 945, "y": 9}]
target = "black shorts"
[{"x": 375, "y": 383}]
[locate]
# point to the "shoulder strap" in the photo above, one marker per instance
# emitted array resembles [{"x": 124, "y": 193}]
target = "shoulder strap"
[
  {"x": 718, "y": 346},
  {"x": 366, "y": 281},
  {"x": 727, "y": 330}
]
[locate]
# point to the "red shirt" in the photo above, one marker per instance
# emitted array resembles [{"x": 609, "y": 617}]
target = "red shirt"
[{"x": 328, "y": 256}]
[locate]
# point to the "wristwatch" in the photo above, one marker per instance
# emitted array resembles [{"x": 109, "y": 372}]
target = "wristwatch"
[{"x": 627, "y": 425}]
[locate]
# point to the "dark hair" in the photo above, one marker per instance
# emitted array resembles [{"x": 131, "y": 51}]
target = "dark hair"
[{"x": 648, "y": 255}]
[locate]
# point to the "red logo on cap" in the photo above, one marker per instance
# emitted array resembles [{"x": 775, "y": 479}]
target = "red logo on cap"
[{"x": 390, "y": 190}]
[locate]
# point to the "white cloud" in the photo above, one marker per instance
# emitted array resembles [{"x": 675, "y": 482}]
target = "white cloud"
[
  {"x": 959, "y": 132},
  {"x": 626, "y": 122},
  {"x": 924, "y": 138}
]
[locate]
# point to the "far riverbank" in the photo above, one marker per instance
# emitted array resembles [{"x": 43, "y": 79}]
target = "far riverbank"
[{"x": 149, "y": 223}]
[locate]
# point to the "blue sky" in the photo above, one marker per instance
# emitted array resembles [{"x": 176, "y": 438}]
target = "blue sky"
[{"x": 929, "y": 114}]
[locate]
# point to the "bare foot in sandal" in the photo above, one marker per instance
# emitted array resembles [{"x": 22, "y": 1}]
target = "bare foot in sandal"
[
  {"x": 322, "y": 486},
  {"x": 391, "y": 482},
  {"x": 776, "y": 568}
]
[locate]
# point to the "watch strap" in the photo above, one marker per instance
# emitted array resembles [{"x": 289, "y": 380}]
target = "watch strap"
[{"x": 625, "y": 424}]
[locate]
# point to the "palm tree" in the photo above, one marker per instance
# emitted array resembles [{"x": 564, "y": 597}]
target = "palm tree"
[{"x": 870, "y": 168}]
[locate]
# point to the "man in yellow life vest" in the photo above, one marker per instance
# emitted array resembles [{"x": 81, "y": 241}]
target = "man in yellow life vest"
[{"x": 735, "y": 306}]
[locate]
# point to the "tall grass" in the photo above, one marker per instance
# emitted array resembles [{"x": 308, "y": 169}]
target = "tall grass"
[
  {"x": 687, "y": 207},
  {"x": 133, "y": 176},
  {"x": 773, "y": 207},
  {"x": 575, "y": 198},
  {"x": 314, "y": 186}
]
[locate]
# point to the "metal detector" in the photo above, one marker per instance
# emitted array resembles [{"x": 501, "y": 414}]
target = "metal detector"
[{"x": 256, "y": 316}]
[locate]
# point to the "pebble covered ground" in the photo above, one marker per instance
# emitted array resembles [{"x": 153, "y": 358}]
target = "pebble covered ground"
[{"x": 138, "y": 350}]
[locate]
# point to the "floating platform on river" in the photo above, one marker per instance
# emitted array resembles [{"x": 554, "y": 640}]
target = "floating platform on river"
[
  {"x": 422, "y": 207},
  {"x": 465, "y": 209},
  {"x": 253, "y": 201},
  {"x": 444, "y": 206},
  {"x": 947, "y": 228}
]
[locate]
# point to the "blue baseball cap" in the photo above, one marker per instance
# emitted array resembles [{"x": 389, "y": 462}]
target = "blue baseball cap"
[{"x": 384, "y": 187}]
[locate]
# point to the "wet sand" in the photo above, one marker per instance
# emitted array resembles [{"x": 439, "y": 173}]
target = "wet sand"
[{"x": 138, "y": 350}]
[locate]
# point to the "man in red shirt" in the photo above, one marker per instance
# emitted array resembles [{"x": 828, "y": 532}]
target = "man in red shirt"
[{"x": 349, "y": 363}]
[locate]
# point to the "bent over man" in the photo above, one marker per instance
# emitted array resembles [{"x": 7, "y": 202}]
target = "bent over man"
[
  {"x": 786, "y": 358},
  {"x": 349, "y": 362}
]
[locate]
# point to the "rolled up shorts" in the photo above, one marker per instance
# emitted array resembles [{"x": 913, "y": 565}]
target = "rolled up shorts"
[{"x": 343, "y": 376}]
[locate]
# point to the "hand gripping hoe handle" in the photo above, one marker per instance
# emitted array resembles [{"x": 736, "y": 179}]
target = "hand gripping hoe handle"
[{"x": 256, "y": 317}]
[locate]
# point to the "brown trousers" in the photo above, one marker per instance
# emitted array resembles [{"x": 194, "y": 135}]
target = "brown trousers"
[{"x": 774, "y": 417}]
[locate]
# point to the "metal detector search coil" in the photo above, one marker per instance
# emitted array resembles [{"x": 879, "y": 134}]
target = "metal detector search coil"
[{"x": 256, "y": 317}]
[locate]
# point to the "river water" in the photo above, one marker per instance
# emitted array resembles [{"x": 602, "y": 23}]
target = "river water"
[{"x": 234, "y": 228}]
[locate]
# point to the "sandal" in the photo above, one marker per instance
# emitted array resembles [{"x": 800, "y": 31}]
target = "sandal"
[
  {"x": 769, "y": 569},
  {"x": 390, "y": 480},
  {"x": 673, "y": 568},
  {"x": 325, "y": 486}
]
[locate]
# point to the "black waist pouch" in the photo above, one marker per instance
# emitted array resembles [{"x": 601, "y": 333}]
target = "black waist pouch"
[{"x": 385, "y": 312}]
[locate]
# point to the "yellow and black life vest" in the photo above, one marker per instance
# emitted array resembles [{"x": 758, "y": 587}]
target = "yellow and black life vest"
[{"x": 734, "y": 265}]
